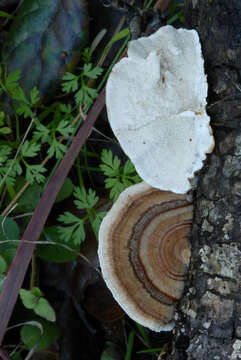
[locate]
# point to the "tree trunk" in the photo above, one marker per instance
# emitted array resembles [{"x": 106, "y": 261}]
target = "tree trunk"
[{"x": 209, "y": 316}]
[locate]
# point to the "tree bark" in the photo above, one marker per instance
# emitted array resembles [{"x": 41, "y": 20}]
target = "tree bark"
[{"x": 209, "y": 315}]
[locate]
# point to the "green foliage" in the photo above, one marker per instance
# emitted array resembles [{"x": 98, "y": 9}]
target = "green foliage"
[
  {"x": 42, "y": 134},
  {"x": 23, "y": 106},
  {"x": 176, "y": 13},
  {"x": 3, "y": 265},
  {"x": 31, "y": 335},
  {"x": 5, "y": 162},
  {"x": 118, "y": 177},
  {"x": 54, "y": 134},
  {"x": 30, "y": 198},
  {"x": 120, "y": 35},
  {"x": 9, "y": 230},
  {"x": 85, "y": 94},
  {"x": 9, "y": 84},
  {"x": 4, "y": 130},
  {"x": 50, "y": 135},
  {"x": 130, "y": 344},
  {"x": 33, "y": 299},
  {"x": 65, "y": 191},
  {"x": 4, "y": 14},
  {"x": 75, "y": 226},
  {"x": 56, "y": 252},
  {"x": 150, "y": 351}
]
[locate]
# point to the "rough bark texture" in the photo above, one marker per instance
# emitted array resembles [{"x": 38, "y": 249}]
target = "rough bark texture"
[{"x": 209, "y": 316}]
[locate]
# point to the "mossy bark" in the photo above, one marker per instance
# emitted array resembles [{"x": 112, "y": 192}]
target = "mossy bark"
[{"x": 209, "y": 316}]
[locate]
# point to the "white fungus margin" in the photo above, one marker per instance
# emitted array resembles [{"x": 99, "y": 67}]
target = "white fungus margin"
[{"x": 156, "y": 101}]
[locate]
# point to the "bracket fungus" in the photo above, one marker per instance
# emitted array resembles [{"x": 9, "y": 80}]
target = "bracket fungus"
[
  {"x": 156, "y": 101},
  {"x": 144, "y": 253}
]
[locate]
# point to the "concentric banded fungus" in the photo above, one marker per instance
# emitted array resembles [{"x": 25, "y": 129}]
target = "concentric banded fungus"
[
  {"x": 144, "y": 253},
  {"x": 156, "y": 101}
]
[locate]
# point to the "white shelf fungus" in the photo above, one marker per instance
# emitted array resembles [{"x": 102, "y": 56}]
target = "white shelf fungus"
[{"x": 156, "y": 102}]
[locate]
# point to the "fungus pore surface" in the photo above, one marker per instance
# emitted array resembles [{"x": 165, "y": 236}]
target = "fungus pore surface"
[{"x": 156, "y": 99}]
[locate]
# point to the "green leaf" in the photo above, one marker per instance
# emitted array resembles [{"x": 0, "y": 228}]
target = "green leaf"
[
  {"x": 41, "y": 133},
  {"x": 32, "y": 299},
  {"x": 74, "y": 231},
  {"x": 110, "y": 182},
  {"x": 65, "y": 108},
  {"x": 30, "y": 198},
  {"x": 91, "y": 93},
  {"x": 12, "y": 78},
  {"x": 120, "y": 35},
  {"x": 118, "y": 177},
  {"x": 30, "y": 150},
  {"x": 34, "y": 96},
  {"x": 116, "y": 190},
  {"x": 106, "y": 356},
  {"x": 17, "y": 355},
  {"x": 2, "y": 114},
  {"x": 64, "y": 128},
  {"x": 85, "y": 96},
  {"x": 143, "y": 332},
  {"x": 9, "y": 254},
  {"x": 149, "y": 351},
  {"x": 45, "y": 310},
  {"x": 6, "y": 15},
  {"x": 111, "y": 166},
  {"x": 9, "y": 230},
  {"x": 55, "y": 253},
  {"x": 58, "y": 149},
  {"x": 38, "y": 44},
  {"x": 97, "y": 221},
  {"x": 85, "y": 200},
  {"x": 28, "y": 299},
  {"x": 34, "y": 173},
  {"x": 130, "y": 344},
  {"x": 36, "y": 291},
  {"x": 68, "y": 218},
  {"x": 31, "y": 335},
  {"x": 92, "y": 72},
  {"x": 71, "y": 83},
  {"x": 65, "y": 191},
  {"x": 3, "y": 265},
  {"x": 5, "y": 151},
  {"x": 86, "y": 55},
  {"x": 128, "y": 167}
]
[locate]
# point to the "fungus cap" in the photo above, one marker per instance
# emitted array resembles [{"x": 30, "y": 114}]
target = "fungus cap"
[
  {"x": 144, "y": 253},
  {"x": 156, "y": 101}
]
